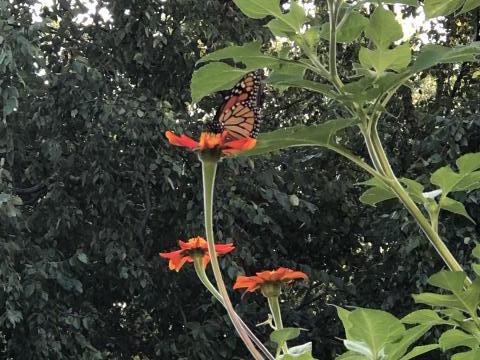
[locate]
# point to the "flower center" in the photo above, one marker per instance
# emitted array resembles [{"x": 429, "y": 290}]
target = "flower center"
[
  {"x": 193, "y": 253},
  {"x": 271, "y": 288}
]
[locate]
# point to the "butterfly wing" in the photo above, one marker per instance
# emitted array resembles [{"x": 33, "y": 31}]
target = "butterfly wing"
[{"x": 240, "y": 112}]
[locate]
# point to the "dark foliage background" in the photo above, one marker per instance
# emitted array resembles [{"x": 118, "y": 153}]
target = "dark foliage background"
[{"x": 85, "y": 105}]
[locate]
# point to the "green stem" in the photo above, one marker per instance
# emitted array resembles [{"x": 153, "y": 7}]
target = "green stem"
[
  {"x": 426, "y": 227},
  {"x": 410, "y": 205},
  {"x": 317, "y": 65},
  {"x": 333, "y": 16},
  {"x": 434, "y": 218},
  {"x": 200, "y": 270},
  {"x": 209, "y": 169},
  {"x": 429, "y": 228},
  {"x": 277, "y": 316},
  {"x": 358, "y": 161}
]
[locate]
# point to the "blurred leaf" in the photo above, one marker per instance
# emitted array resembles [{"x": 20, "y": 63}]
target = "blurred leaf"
[
  {"x": 476, "y": 251},
  {"x": 434, "y": 8},
  {"x": 348, "y": 30},
  {"x": 258, "y": 9},
  {"x": 431, "y": 55},
  {"x": 469, "y": 6},
  {"x": 283, "y": 24},
  {"x": 383, "y": 29},
  {"x": 405, "y": 2}
]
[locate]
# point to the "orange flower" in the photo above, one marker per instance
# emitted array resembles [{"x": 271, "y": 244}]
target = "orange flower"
[
  {"x": 268, "y": 279},
  {"x": 194, "y": 247},
  {"x": 222, "y": 143}
]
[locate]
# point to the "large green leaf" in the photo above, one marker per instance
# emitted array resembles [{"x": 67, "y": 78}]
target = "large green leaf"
[
  {"x": 382, "y": 59},
  {"x": 285, "y": 74},
  {"x": 469, "y": 5},
  {"x": 343, "y": 315},
  {"x": 476, "y": 252},
  {"x": 448, "y": 280},
  {"x": 455, "y": 207},
  {"x": 325, "y": 89},
  {"x": 434, "y": 8},
  {"x": 466, "y": 179},
  {"x": 424, "y": 316},
  {"x": 374, "y": 195},
  {"x": 396, "y": 350},
  {"x": 431, "y": 55},
  {"x": 300, "y": 352},
  {"x": 404, "y": 2},
  {"x": 282, "y": 335},
  {"x": 468, "y": 162},
  {"x": 471, "y": 297},
  {"x": 377, "y": 193},
  {"x": 258, "y": 9},
  {"x": 289, "y": 23},
  {"x": 432, "y": 299},
  {"x": 419, "y": 350},
  {"x": 218, "y": 76},
  {"x": 414, "y": 189},
  {"x": 468, "y": 355},
  {"x": 348, "y": 30},
  {"x": 351, "y": 355},
  {"x": 383, "y": 29},
  {"x": 465, "y": 300},
  {"x": 374, "y": 328},
  {"x": 283, "y": 24},
  {"x": 454, "y": 338},
  {"x": 249, "y": 54},
  {"x": 360, "y": 347},
  {"x": 316, "y": 135},
  {"x": 214, "y": 77}
]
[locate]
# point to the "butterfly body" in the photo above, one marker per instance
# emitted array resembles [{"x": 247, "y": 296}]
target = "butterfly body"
[{"x": 239, "y": 114}]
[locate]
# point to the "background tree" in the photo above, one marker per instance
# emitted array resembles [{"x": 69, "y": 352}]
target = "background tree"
[{"x": 87, "y": 94}]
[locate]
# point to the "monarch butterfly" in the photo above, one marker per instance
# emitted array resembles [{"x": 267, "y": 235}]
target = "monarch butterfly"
[{"x": 239, "y": 114}]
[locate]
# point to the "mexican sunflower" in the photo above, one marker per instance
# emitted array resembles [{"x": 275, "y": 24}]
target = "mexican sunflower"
[
  {"x": 269, "y": 282},
  {"x": 194, "y": 247},
  {"x": 221, "y": 143}
]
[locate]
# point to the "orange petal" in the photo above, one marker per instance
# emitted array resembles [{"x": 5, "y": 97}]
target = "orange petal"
[
  {"x": 182, "y": 140},
  {"x": 224, "y": 248},
  {"x": 177, "y": 263},
  {"x": 206, "y": 260},
  {"x": 171, "y": 255},
  {"x": 295, "y": 275},
  {"x": 252, "y": 283},
  {"x": 239, "y": 145}
]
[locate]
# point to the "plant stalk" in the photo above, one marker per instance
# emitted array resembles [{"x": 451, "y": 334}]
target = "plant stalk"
[
  {"x": 200, "y": 270},
  {"x": 277, "y": 316},
  {"x": 209, "y": 169},
  {"x": 333, "y": 16},
  {"x": 413, "y": 209}
]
